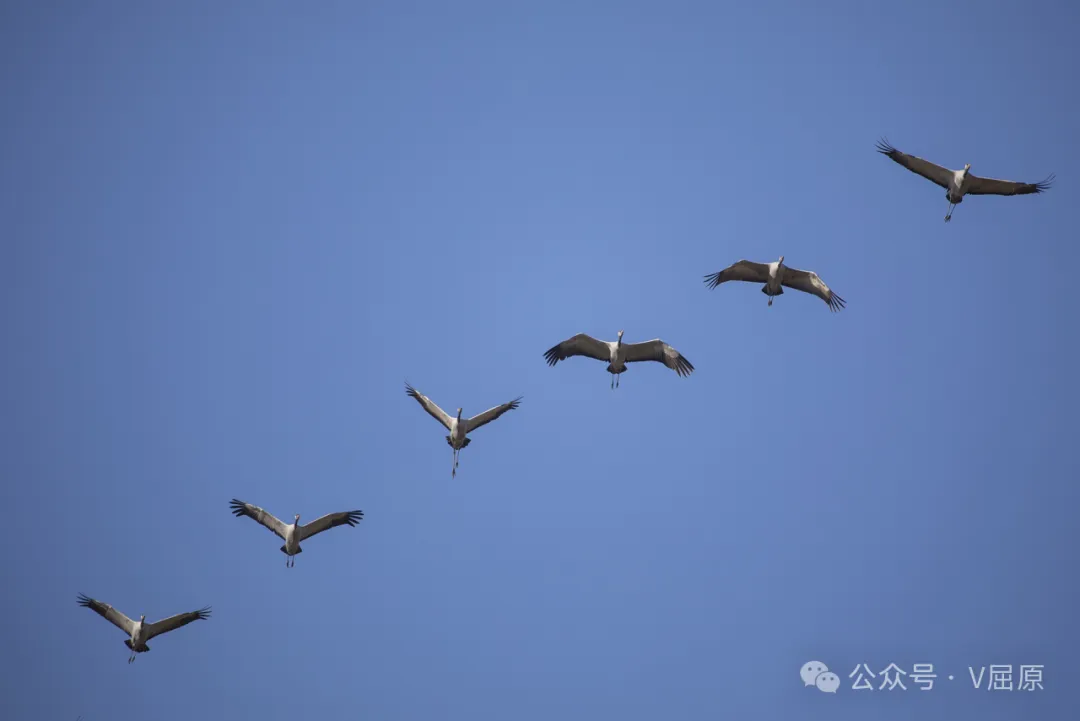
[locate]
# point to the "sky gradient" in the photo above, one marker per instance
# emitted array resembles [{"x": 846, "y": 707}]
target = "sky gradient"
[{"x": 230, "y": 232}]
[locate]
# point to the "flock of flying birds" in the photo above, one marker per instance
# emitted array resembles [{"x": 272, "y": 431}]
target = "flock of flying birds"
[{"x": 775, "y": 276}]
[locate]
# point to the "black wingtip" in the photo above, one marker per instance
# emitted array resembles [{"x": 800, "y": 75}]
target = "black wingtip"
[
  {"x": 712, "y": 280},
  {"x": 1046, "y": 184},
  {"x": 203, "y": 613},
  {"x": 84, "y": 600},
  {"x": 884, "y": 147},
  {"x": 552, "y": 355}
]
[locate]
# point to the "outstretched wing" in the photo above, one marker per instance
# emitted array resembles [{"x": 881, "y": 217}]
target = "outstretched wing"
[
  {"x": 109, "y": 613},
  {"x": 428, "y": 405},
  {"x": 174, "y": 622},
  {"x": 743, "y": 270},
  {"x": 239, "y": 508},
  {"x": 330, "y": 520},
  {"x": 581, "y": 344},
  {"x": 990, "y": 186},
  {"x": 934, "y": 173},
  {"x": 491, "y": 414},
  {"x": 809, "y": 282},
  {"x": 658, "y": 350}
]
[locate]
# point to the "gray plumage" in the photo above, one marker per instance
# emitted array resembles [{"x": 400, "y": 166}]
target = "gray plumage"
[
  {"x": 958, "y": 183},
  {"x": 139, "y": 632},
  {"x": 776, "y": 276},
  {"x": 617, "y": 354}
]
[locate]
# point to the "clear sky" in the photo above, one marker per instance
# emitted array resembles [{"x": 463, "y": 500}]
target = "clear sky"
[{"x": 230, "y": 232}]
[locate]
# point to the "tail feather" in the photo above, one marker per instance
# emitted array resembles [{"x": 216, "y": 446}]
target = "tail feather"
[
  {"x": 127, "y": 642},
  {"x": 765, "y": 290},
  {"x": 451, "y": 443},
  {"x": 298, "y": 550}
]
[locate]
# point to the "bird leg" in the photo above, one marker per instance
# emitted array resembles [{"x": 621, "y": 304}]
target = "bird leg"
[
  {"x": 618, "y": 376},
  {"x": 770, "y": 301},
  {"x": 612, "y": 381},
  {"x": 453, "y": 470},
  {"x": 948, "y": 216}
]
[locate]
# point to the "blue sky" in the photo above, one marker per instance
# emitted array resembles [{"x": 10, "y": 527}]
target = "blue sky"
[{"x": 231, "y": 231}]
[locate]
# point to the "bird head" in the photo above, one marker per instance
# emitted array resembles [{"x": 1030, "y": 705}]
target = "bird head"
[
  {"x": 296, "y": 518},
  {"x": 459, "y": 413},
  {"x": 142, "y": 618},
  {"x": 967, "y": 167},
  {"x": 781, "y": 259},
  {"x": 620, "y": 334}
]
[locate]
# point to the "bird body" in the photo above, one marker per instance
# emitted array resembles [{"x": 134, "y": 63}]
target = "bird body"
[
  {"x": 776, "y": 276},
  {"x": 774, "y": 286},
  {"x": 139, "y": 632},
  {"x": 457, "y": 436},
  {"x": 959, "y": 183},
  {"x": 137, "y": 642},
  {"x": 459, "y": 427},
  {"x": 293, "y": 533},
  {"x": 618, "y": 354},
  {"x": 292, "y": 539}
]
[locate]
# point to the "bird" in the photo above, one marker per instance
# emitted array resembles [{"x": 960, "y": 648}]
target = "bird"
[
  {"x": 293, "y": 534},
  {"x": 958, "y": 183},
  {"x": 459, "y": 427},
  {"x": 776, "y": 276},
  {"x": 618, "y": 354},
  {"x": 140, "y": 632}
]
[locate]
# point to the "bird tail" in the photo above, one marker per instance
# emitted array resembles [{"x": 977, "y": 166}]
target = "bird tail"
[
  {"x": 779, "y": 291},
  {"x": 451, "y": 444},
  {"x": 612, "y": 370},
  {"x": 298, "y": 550},
  {"x": 127, "y": 642}
]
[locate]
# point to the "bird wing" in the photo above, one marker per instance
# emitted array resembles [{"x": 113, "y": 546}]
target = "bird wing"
[
  {"x": 658, "y": 350},
  {"x": 809, "y": 282},
  {"x": 109, "y": 613},
  {"x": 743, "y": 270},
  {"x": 991, "y": 186},
  {"x": 934, "y": 173},
  {"x": 581, "y": 344},
  {"x": 239, "y": 508},
  {"x": 437, "y": 413},
  {"x": 174, "y": 622},
  {"x": 491, "y": 414},
  {"x": 329, "y": 521}
]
